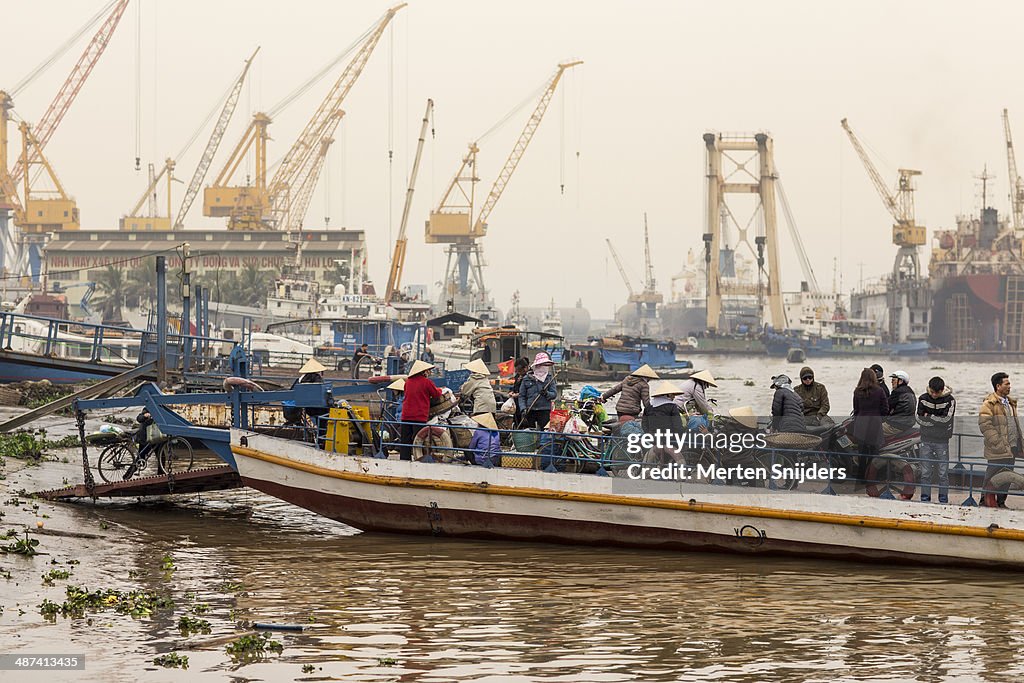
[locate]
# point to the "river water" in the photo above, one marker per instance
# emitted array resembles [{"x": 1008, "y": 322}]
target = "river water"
[{"x": 391, "y": 608}]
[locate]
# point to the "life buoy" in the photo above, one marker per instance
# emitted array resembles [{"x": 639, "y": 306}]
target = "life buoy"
[
  {"x": 433, "y": 441},
  {"x": 877, "y": 464}
]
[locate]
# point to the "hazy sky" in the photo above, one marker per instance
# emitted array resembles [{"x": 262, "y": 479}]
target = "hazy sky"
[{"x": 923, "y": 84}]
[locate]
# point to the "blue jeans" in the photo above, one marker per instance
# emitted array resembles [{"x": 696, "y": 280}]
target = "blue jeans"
[{"x": 934, "y": 460}]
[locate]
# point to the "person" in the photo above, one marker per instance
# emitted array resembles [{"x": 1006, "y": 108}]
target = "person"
[
  {"x": 536, "y": 392},
  {"x": 787, "y": 407},
  {"x": 902, "y": 405},
  {"x": 1002, "y": 434},
  {"x": 662, "y": 414},
  {"x": 869, "y": 405},
  {"x": 634, "y": 393},
  {"x": 478, "y": 388},
  {"x": 312, "y": 373},
  {"x": 361, "y": 352},
  {"x": 522, "y": 366},
  {"x": 935, "y": 411},
  {"x": 428, "y": 355},
  {"x": 815, "y": 398},
  {"x": 692, "y": 397},
  {"x": 145, "y": 448},
  {"x": 880, "y": 378},
  {"x": 486, "y": 442},
  {"x": 416, "y": 405}
]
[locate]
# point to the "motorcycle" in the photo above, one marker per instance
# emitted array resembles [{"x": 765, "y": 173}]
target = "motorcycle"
[{"x": 889, "y": 471}]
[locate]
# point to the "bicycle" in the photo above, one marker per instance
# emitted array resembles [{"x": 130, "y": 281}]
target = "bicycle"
[{"x": 120, "y": 461}]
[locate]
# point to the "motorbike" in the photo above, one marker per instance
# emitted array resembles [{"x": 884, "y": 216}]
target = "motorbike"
[{"x": 889, "y": 471}]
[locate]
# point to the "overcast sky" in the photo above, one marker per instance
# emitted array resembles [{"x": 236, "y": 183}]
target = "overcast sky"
[{"x": 922, "y": 83}]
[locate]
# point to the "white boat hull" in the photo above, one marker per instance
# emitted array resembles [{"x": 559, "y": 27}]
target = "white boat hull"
[{"x": 529, "y": 505}]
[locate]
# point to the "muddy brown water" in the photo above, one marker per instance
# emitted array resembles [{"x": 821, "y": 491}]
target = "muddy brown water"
[{"x": 379, "y": 607}]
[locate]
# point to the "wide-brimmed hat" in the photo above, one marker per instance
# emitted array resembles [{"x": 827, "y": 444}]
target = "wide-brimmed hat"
[
  {"x": 312, "y": 365},
  {"x": 664, "y": 388},
  {"x": 745, "y": 416},
  {"x": 645, "y": 371},
  {"x": 478, "y": 366},
  {"x": 542, "y": 359},
  {"x": 485, "y": 420},
  {"x": 706, "y": 377},
  {"x": 420, "y": 366},
  {"x": 397, "y": 385}
]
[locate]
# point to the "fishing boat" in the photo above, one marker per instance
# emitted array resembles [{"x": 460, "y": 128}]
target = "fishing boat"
[
  {"x": 456, "y": 339},
  {"x": 608, "y": 359},
  {"x": 551, "y": 323}
]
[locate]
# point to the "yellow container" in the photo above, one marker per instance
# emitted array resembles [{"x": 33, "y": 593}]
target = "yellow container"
[{"x": 340, "y": 429}]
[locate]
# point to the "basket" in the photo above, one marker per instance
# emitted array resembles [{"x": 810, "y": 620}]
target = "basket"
[
  {"x": 792, "y": 440},
  {"x": 521, "y": 462},
  {"x": 525, "y": 442},
  {"x": 154, "y": 435},
  {"x": 441, "y": 405}
]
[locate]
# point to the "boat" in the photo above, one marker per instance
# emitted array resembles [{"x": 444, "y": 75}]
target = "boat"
[
  {"x": 551, "y": 323},
  {"x": 609, "y": 359},
  {"x": 839, "y": 336},
  {"x": 796, "y": 355},
  {"x": 456, "y": 339}
]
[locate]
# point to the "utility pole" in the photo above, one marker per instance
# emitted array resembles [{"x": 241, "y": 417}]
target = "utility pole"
[{"x": 161, "y": 321}]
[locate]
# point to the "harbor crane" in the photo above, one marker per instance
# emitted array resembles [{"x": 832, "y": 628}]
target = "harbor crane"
[
  {"x": 38, "y": 215},
  {"x": 452, "y": 221},
  {"x": 648, "y": 299},
  {"x": 622, "y": 271},
  {"x": 906, "y": 233},
  {"x": 226, "y": 112},
  {"x": 264, "y": 203},
  {"x": 152, "y": 220},
  {"x": 1016, "y": 185},
  {"x": 398, "y": 258}
]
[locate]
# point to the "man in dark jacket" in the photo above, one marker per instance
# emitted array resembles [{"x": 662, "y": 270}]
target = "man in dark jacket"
[
  {"x": 815, "y": 398},
  {"x": 902, "y": 405},
  {"x": 880, "y": 376},
  {"x": 935, "y": 410},
  {"x": 787, "y": 407}
]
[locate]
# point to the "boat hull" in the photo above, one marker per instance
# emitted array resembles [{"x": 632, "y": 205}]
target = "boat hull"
[{"x": 470, "y": 502}]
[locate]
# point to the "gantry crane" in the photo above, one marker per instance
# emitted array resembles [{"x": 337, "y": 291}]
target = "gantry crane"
[
  {"x": 212, "y": 144},
  {"x": 906, "y": 233},
  {"x": 268, "y": 204},
  {"x": 398, "y": 258},
  {"x": 152, "y": 220},
  {"x": 1016, "y": 185},
  {"x": 41, "y": 214},
  {"x": 452, "y": 221}
]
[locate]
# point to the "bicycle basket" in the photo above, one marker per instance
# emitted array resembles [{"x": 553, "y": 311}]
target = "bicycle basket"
[{"x": 154, "y": 435}]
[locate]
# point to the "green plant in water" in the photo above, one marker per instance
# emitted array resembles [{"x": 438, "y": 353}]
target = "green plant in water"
[
  {"x": 22, "y": 445},
  {"x": 200, "y": 608},
  {"x": 189, "y": 625},
  {"x": 54, "y": 575},
  {"x": 308, "y": 668},
  {"x": 172, "y": 661},
  {"x": 23, "y": 546},
  {"x": 386, "y": 661},
  {"x": 79, "y": 601},
  {"x": 251, "y": 647},
  {"x": 167, "y": 563}
]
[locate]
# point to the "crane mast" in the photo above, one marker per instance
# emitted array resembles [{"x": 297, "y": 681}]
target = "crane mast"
[
  {"x": 398, "y": 258},
  {"x": 300, "y": 204},
  {"x": 226, "y": 112},
  {"x": 152, "y": 221},
  {"x": 649, "y": 285},
  {"x": 1016, "y": 186},
  {"x": 622, "y": 270}
]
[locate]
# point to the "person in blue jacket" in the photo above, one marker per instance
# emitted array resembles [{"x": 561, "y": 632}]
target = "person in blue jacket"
[
  {"x": 536, "y": 393},
  {"x": 485, "y": 445}
]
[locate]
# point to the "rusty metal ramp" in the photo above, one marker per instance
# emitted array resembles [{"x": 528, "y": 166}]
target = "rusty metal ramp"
[{"x": 207, "y": 479}]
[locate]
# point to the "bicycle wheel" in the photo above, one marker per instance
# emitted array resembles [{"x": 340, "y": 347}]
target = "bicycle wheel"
[
  {"x": 176, "y": 456},
  {"x": 114, "y": 460}
]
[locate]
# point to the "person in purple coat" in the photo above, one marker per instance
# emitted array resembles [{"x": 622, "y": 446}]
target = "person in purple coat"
[
  {"x": 869, "y": 405},
  {"x": 485, "y": 445}
]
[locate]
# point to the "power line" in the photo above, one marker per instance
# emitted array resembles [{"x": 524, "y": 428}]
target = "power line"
[{"x": 58, "y": 273}]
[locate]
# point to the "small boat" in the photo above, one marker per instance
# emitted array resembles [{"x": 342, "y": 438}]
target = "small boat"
[
  {"x": 609, "y": 359},
  {"x": 796, "y": 355}
]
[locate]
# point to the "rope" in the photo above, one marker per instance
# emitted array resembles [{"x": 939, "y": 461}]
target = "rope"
[{"x": 529, "y": 99}]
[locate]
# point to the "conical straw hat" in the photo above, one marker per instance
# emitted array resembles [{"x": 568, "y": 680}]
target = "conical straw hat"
[
  {"x": 705, "y": 376},
  {"x": 478, "y": 366},
  {"x": 645, "y": 371},
  {"x": 419, "y": 366},
  {"x": 664, "y": 388},
  {"x": 397, "y": 385},
  {"x": 745, "y": 416},
  {"x": 312, "y": 365},
  {"x": 485, "y": 420}
]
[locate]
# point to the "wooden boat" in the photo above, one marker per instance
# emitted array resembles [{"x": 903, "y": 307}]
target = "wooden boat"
[{"x": 531, "y": 505}]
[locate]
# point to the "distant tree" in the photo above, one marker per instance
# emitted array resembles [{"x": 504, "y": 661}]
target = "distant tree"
[{"x": 112, "y": 288}]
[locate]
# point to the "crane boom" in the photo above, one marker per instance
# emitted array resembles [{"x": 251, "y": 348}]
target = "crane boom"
[
  {"x": 299, "y": 161},
  {"x": 519, "y": 148},
  {"x": 300, "y": 204},
  {"x": 47, "y": 125},
  {"x": 212, "y": 145},
  {"x": 876, "y": 178},
  {"x": 149, "y": 193},
  {"x": 398, "y": 258},
  {"x": 1016, "y": 187},
  {"x": 622, "y": 270},
  {"x": 650, "y": 284}
]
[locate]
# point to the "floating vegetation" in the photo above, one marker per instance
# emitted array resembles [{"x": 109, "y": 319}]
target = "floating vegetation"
[
  {"x": 246, "y": 648},
  {"x": 308, "y": 668},
  {"x": 136, "y": 604},
  {"x": 22, "y": 445},
  {"x": 386, "y": 661},
  {"x": 200, "y": 608},
  {"x": 167, "y": 563},
  {"x": 189, "y": 625},
  {"x": 172, "y": 660},
  {"x": 748, "y": 382},
  {"x": 230, "y": 587},
  {"x": 55, "y": 575},
  {"x": 22, "y": 546}
]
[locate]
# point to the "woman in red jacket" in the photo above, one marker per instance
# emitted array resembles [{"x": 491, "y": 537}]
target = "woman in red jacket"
[{"x": 416, "y": 405}]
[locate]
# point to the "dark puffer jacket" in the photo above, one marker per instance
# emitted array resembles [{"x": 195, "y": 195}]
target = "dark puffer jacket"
[
  {"x": 635, "y": 395},
  {"x": 537, "y": 395},
  {"x": 788, "y": 412},
  {"x": 902, "y": 407}
]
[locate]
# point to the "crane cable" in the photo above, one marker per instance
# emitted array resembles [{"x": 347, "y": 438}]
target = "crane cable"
[
  {"x": 138, "y": 86},
  {"x": 530, "y": 99}
]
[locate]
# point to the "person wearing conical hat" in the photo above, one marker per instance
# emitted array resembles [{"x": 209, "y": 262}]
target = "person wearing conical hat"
[
  {"x": 478, "y": 388},
  {"x": 662, "y": 414},
  {"x": 745, "y": 416},
  {"x": 693, "y": 398},
  {"x": 311, "y": 372},
  {"x": 485, "y": 445},
  {"x": 416, "y": 405},
  {"x": 634, "y": 393}
]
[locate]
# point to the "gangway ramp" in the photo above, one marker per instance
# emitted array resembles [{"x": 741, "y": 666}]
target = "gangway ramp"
[{"x": 217, "y": 478}]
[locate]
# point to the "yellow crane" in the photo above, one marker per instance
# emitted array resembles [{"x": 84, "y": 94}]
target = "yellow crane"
[
  {"x": 906, "y": 233},
  {"x": 1016, "y": 185},
  {"x": 264, "y": 203},
  {"x": 152, "y": 220},
  {"x": 398, "y": 258},
  {"x": 452, "y": 221}
]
